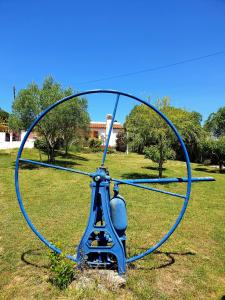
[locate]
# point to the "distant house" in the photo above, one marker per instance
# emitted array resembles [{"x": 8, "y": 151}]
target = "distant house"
[
  {"x": 12, "y": 139},
  {"x": 99, "y": 130}
]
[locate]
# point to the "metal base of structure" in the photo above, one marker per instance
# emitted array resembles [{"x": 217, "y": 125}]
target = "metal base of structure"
[{"x": 100, "y": 245}]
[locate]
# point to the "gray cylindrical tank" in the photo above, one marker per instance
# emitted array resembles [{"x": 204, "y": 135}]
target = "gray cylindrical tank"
[{"x": 118, "y": 213}]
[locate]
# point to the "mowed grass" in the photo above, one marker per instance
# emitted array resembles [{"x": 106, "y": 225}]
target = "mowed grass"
[{"x": 190, "y": 265}]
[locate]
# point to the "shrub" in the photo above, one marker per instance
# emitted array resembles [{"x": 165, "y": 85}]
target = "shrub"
[
  {"x": 94, "y": 143},
  {"x": 41, "y": 145},
  {"x": 121, "y": 141},
  {"x": 62, "y": 270},
  {"x": 206, "y": 162},
  {"x": 111, "y": 150},
  {"x": 96, "y": 149}
]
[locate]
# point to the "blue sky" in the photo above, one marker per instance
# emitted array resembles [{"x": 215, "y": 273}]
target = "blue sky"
[{"x": 82, "y": 41}]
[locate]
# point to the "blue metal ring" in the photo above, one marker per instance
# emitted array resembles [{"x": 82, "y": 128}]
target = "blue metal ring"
[{"x": 188, "y": 190}]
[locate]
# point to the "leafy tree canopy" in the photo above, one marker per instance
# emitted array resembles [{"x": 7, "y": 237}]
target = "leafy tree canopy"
[
  {"x": 150, "y": 134},
  {"x": 190, "y": 129},
  {"x": 216, "y": 123},
  {"x": 4, "y": 115},
  {"x": 142, "y": 121},
  {"x": 66, "y": 122},
  {"x": 214, "y": 149}
]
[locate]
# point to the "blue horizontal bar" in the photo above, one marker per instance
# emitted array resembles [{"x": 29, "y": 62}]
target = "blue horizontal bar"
[
  {"x": 168, "y": 180},
  {"x": 53, "y": 166},
  {"x": 148, "y": 188}
]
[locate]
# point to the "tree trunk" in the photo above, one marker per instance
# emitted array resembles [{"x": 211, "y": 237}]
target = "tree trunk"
[
  {"x": 66, "y": 149},
  {"x": 40, "y": 157},
  {"x": 51, "y": 154},
  {"x": 221, "y": 166},
  {"x": 160, "y": 169},
  {"x": 127, "y": 146},
  {"x": 161, "y": 158}
]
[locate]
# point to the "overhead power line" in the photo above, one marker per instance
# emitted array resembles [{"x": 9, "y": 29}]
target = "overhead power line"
[{"x": 156, "y": 68}]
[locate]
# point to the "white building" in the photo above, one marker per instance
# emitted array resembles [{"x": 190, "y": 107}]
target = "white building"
[
  {"x": 12, "y": 139},
  {"x": 100, "y": 130}
]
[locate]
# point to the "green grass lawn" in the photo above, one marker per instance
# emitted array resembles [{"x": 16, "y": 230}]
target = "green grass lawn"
[{"x": 190, "y": 265}]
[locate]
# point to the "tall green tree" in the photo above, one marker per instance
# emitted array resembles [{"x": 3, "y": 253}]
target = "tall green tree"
[
  {"x": 74, "y": 122},
  {"x": 161, "y": 150},
  {"x": 64, "y": 122},
  {"x": 214, "y": 149},
  {"x": 216, "y": 123},
  {"x": 149, "y": 134},
  {"x": 190, "y": 129},
  {"x": 214, "y": 145}
]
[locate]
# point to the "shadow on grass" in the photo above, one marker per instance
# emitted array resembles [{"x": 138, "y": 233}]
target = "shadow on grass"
[
  {"x": 170, "y": 260},
  {"x": 66, "y": 163},
  {"x": 32, "y": 257},
  {"x": 36, "y": 253},
  {"x": 136, "y": 175},
  {"x": 5, "y": 153},
  {"x": 61, "y": 163},
  {"x": 204, "y": 169},
  {"x": 71, "y": 155},
  {"x": 152, "y": 168},
  {"x": 26, "y": 166}
]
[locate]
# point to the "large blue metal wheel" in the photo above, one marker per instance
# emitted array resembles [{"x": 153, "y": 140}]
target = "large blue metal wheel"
[{"x": 118, "y": 181}]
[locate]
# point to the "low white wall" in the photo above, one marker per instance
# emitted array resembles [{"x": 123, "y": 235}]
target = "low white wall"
[
  {"x": 14, "y": 144},
  {"x": 2, "y": 137},
  {"x": 11, "y": 145}
]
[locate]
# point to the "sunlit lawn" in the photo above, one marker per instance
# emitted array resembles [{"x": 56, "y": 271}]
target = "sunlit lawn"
[{"x": 191, "y": 265}]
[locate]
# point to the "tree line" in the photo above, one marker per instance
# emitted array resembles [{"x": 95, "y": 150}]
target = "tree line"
[{"x": 144, "y": 131}]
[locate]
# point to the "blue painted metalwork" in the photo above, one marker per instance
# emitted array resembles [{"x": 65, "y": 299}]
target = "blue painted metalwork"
[
  {"x": 110, "y": 130},
  {"x": 34, "y": 162},
  {"x": 148, "y": 188},
  {"x": 164, "y": 180},
  {"x": 109, "y": 244},
  {"x": 100, "y": 186},
  {"x": 118, "y": 214}
]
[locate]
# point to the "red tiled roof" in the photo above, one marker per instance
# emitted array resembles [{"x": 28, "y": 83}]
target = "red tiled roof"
[
  {"x": 103, "y": 126},
  {"x": 97, "y": 125},
  {"x": 117, "y": 126}
]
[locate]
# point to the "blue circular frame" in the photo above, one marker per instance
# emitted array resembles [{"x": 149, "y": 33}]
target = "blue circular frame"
[{"x": 188, "y": 190}]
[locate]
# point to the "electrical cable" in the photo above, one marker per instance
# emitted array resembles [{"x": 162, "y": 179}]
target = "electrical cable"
[{"x": 155, "y": 68}]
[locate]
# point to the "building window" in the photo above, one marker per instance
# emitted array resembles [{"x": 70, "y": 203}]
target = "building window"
[
  {"x": 7, "y": 137},
  {"x": 95, "y": 134}
]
